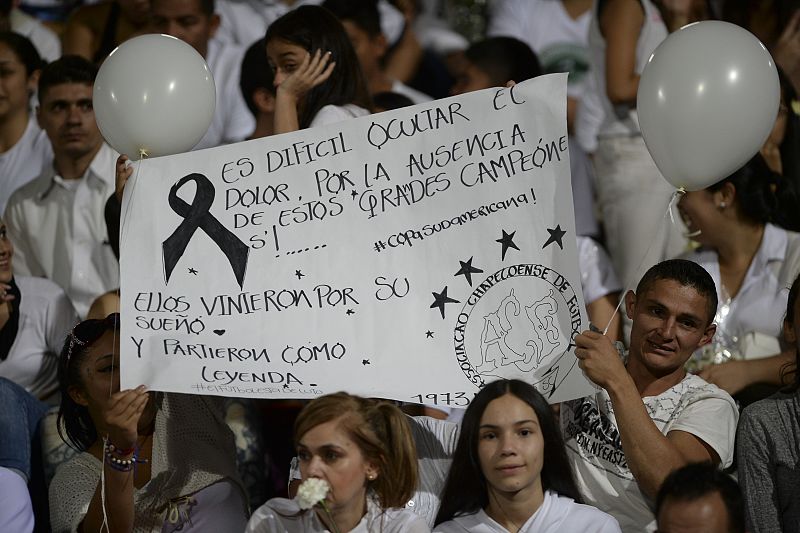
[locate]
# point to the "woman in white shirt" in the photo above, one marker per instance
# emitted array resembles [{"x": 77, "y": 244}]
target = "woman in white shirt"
[
  {"x": 510, "y": 471},
  {"x": 23, "y": 146},
  {"x": 753, "y": 261},
  {"x": 363, "y": 449},
  {"x": 318, "y": 78}
]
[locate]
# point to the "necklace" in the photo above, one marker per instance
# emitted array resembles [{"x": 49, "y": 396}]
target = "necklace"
[{"x": 505, "y": 515}]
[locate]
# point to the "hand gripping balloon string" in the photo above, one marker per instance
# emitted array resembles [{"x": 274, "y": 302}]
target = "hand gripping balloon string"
[{"x": 673, "y": 199}]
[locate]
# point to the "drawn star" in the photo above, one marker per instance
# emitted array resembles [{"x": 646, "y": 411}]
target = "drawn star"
[
  {"x": 507, "y": 240},
  {"x": 440, "y": 299},
  {"x": 556, "y": 234},
  {"x": 365, "y": 362},
  {"x": 299, "y": 274},
  {"x": 467, "y": 270},
  {"x": 429, "y": 334},
  {"x": 285, "y": 385},
  {"x": 192, "y": 271},
  {"x": 354, "y": 194},
  {"x": 350, "y": 312}
]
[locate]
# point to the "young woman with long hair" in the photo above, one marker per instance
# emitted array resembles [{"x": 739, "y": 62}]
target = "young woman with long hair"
[{"x": 510, "y": 471}]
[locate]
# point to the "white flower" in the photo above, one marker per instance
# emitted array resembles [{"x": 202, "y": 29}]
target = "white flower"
[{"x": 311, "y": 491}]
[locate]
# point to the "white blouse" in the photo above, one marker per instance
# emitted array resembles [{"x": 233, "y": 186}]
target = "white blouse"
[
  {"x": 558, "y": 514},
  {"x": 280, "y": 515}
]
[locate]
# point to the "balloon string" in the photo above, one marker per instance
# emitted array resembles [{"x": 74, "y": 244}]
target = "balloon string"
[
  {"x": 672, "y": 201},
  {"x": 132, "y": 186}
]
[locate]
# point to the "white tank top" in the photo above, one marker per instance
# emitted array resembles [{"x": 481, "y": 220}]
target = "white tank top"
[{"x": 622, "y": 119}]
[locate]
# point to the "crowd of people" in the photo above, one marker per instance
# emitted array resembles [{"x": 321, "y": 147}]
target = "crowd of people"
[{"x": 695, "y": 422}]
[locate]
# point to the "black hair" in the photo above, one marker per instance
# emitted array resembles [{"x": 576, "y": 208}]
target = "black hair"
[
  {"x": 315, "y": 28},
  {"x": 792, "y": 368},
  {"x": 466, "y": 491},
  {"x": 363, "y": 14},
  {"x": 208, "y": 7},
  {"x": 24, "y": 49},
  {"x": 67, "y": 69},
  {"x": 5, "y": 7},
  {"x": 504, "y": 59},
  {"x": 255, "y": 74},
  {"x": 686, "y": 273},
  {"x": 75, "y": 425},
  {"x": 389, "y": 100},
  {"x": 696, "y": 480},
  {"x": 762, "y": 196}
]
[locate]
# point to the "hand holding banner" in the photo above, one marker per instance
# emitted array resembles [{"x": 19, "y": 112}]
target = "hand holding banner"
[{"x": 415, "y": 255}]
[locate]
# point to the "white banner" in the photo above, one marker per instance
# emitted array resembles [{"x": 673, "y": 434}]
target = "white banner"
[{"x": 415, "y": 255}]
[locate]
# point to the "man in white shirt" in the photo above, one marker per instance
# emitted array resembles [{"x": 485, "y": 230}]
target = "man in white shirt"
[
  {"x": 56, "y": 221},
  {"x": 194, "y": 22},
  {"x": 650, "y": 417}
]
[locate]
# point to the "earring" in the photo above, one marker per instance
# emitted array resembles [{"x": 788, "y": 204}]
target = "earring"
[
  {"x": 722, "y": 205},
  {"x": 371, "y": 477}
]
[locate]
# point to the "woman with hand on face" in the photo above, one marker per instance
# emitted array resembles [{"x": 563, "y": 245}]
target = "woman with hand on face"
[
  {"x": 739, "y": 224},
  {"x": 150, "y": 462},
  {"x": 510, "y": 471},
  {"x": 364, "y": 450},
  {"x": 318, "y": 78}
]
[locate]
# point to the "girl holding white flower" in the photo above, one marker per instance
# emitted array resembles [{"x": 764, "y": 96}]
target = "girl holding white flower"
[{"x": 359, "y": 467}]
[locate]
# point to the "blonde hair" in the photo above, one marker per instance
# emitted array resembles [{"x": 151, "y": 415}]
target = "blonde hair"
[{"x": 382, "y": 433}]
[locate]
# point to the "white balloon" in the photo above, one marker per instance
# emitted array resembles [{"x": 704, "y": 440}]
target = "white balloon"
[
  {"x": 154, "y": 95},
  {"x": 708, "y": 98}
]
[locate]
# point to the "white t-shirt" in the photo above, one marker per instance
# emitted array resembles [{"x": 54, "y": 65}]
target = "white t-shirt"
[
  {"x": 560, "y": 41},
  {"x": 597, "y": 274},
  {"x": 24, "y": 161},
  {"x": 280, "y": 515},
  {"x": 558, "y": 514},
  {"x": 594, "y": 445},
  {"x": 46, "y": 316},
  {"x": 331, "y": 114},
  {"x": 232, "y": 121},
  {"x": 43, "y": 38}
]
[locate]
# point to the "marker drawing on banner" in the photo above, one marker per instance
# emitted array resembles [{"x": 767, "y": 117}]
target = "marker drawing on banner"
[{"x": 415, "y": 254}]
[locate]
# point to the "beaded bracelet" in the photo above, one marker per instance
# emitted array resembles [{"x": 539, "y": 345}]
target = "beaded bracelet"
[
  {"x": 121, "y": 464},
  {"x": 127, "y": 451}
]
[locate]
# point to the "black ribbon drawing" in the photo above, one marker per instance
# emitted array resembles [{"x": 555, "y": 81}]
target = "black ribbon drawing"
[{"x": 197, "y": 216}]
